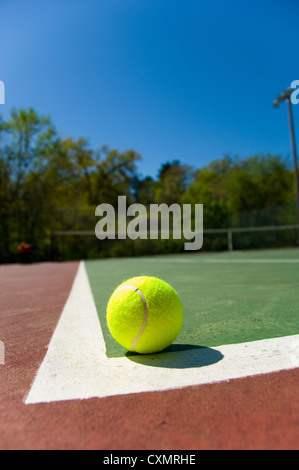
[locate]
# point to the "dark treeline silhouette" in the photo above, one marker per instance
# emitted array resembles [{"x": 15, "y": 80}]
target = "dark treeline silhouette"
[{"x": 50, "y": 184}]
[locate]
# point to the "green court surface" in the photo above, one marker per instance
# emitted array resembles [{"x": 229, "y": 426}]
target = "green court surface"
[{"x": 227, "y": 297}]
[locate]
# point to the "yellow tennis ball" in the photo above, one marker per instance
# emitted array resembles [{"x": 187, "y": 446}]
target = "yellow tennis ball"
[{"x": 144, "y": 314}]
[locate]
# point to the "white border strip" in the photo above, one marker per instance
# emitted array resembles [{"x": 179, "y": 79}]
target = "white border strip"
[
  {"x": 76, "y": 366},
  {"x": 2, "y": 353}
]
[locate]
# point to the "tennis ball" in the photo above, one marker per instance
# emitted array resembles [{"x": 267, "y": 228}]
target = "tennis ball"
[{"x": 144, "y": 314}]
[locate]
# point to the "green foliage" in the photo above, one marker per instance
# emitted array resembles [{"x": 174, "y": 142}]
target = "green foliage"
[
  {"x": 173, "y": 179},
  {"x": 48, "y": 183},
  {"x": 228, "y": 187}
]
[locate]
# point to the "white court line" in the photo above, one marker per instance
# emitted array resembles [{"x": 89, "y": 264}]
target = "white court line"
[
  {"x": 251, "y": 261},
  {"x": 76, "y": 366},
  {"x": 227, "y": 260}
]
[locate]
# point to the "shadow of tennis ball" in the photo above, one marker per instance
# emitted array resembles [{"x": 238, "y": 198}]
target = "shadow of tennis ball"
[{"x": 179, "y": 356}]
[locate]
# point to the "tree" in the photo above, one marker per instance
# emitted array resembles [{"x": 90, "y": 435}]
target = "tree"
[
  {"x": 173, "y": 180},
  {"x": 144, "y": 190},
  {"x": 258, "y": 182},
  {"x": 114, "y": 176},
  {"x": 229, "y": 187},
  {"x": 26, "y": 141}
]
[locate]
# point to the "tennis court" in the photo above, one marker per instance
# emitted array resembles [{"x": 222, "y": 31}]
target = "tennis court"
[
  {"x": 142, "y": 167},
  {"x": 227, "y": 297},
  {"x": 227, "y": 381}
]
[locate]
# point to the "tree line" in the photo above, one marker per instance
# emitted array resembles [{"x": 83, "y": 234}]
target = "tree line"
[{"x": 49, "y": 184}]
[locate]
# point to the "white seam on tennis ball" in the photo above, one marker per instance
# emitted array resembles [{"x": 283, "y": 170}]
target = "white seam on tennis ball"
[{"x": 145, "y": 314}]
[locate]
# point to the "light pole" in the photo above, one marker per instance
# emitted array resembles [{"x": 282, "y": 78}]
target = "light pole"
[{"x": 286, "y": 96}]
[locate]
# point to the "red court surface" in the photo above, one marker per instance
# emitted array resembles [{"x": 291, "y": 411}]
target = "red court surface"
[{"x": 260, "y": 412}]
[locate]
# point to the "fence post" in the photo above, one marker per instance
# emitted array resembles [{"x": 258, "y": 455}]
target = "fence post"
[{"x": 230, "y": 240}]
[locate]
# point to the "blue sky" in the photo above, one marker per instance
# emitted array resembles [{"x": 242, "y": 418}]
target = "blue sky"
[{"x": 172, "y": 79}]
